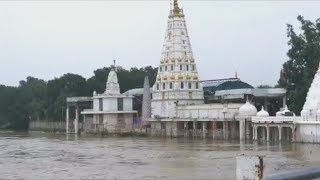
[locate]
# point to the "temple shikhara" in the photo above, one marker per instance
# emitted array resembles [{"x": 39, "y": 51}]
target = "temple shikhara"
[
  {"x": 179, "y": 103},
  {"x": 177, "y": 81}
]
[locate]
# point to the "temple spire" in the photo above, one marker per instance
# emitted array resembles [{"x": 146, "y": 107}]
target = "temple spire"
[
  {"x": 177, "y": 78},
  {"x": 312, "y": 103}
]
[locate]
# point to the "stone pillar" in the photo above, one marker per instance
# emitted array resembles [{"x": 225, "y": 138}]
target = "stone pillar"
[
  {"x": 204, "y": 129},
  {"x": 263, "y": 132},
  {"x": 226, "y": 130},
  {"x": 293, "y": 134},
  {"x": 84, "y": 123},
  {"x": 214, "y": 129},
  {"x": 247, "y": 130},
  {"x": 280, "y": 134},
  {"x": 268, "y": 132},
  {"x": 185, "y": 128},
  {"x": 255, "y": 132},
  {"x": 242, "y": 129},
  {"x": 249, "y": 167},
  {"x": 67, "y": 120},
  {"x": 233, "y": 129},
  {"x": 194, "y": 128},
  {"x": 76, "y": 123}
]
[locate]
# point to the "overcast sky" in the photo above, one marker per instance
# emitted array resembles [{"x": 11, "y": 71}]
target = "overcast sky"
[{"x": 48, "y": 39}]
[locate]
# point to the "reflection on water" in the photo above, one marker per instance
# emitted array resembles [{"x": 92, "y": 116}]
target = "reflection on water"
[{"x": 43, "y": 156}]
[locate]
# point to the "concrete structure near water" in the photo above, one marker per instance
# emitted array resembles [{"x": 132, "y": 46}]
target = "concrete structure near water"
[
  {"x": 111, "y": 111},
  {"x": 285, "y": 124}
]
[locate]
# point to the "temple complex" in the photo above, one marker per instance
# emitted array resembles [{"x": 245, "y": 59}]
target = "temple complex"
[{"x": 181, "y": 105}]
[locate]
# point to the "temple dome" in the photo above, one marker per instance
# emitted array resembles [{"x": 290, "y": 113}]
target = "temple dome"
[
  {"x": 247, "y": 109},
  {"x": 279, "y": 113},
  {"x": 263, "y": 113}
]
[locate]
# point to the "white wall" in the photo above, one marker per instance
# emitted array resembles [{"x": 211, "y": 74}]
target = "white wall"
[
  {"x": 308, "y": 133},
  {"x": 127, "y": 104},
  {"x": 212, "y": 111},
  {"x": 163, "y": 108},
  {"x": 110, "y": 104},
  {"x": 96, "y": 104}
]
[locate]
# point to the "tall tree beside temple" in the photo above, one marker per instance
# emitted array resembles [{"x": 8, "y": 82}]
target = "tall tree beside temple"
[{"x": 304, "y": 56}]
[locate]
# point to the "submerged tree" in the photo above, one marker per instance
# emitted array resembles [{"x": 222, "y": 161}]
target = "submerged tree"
[{"x": 304, "y": 56}]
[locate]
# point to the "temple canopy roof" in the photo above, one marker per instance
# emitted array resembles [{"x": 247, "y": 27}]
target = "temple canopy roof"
[{"x": 212, "y": 86}]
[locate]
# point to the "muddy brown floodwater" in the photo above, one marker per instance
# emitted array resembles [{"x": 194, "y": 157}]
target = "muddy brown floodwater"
[{"x": 44, "y": 156}]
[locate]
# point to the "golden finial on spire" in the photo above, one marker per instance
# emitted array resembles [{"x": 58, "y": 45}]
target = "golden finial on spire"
[{"x": 176, "y": 9}]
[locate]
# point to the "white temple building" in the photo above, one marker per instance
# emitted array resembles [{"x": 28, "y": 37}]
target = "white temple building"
[
  {"x": 177, "y": 81},
  {"x": 111, "y": 113},
  {"x": 304, "y": 128},
  {"x": 308, "y": 128},
  {"x": 177, "y": 97}
]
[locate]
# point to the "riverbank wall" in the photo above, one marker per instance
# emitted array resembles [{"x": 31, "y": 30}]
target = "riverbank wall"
[{"x": 47, "y": 126}]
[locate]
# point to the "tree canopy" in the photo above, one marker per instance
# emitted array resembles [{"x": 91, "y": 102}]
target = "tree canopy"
[
  {"x": 36, "y": 99},
  {"x": 304, "y": 56}
]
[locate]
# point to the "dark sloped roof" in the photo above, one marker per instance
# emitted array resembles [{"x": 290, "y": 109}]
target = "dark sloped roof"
[
  {"x": 210, "y": 88},
  {"x": 233, "y": 85}
]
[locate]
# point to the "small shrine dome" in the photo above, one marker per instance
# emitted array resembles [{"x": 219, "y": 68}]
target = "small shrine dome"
[
  {"x": 247, "y": 109},
  {"x": 279, "y": 113},
  {"x": 263, "y": 113}
]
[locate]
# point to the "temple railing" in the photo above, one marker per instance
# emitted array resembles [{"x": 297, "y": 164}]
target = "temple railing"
[{"x": 276, "y": 119}]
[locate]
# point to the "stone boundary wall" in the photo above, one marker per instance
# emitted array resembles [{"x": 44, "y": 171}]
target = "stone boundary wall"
[{"x": 47, "y": 126}]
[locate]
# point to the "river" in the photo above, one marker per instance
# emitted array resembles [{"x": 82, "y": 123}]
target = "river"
[{"x": 45, "y": 156}]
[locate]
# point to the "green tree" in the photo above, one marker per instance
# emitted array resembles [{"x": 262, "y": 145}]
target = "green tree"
[
  {"x": 59, "y": 89},
  {"x": 304, "y": 56}
]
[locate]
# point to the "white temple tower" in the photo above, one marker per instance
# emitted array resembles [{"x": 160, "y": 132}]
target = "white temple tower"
[
  {"x": 177, "y": 81},
  {"x": 311, "y": 108}
]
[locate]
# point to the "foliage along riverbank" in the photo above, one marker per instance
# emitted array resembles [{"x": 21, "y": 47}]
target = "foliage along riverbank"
[{"x": 37, "y": 99}]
